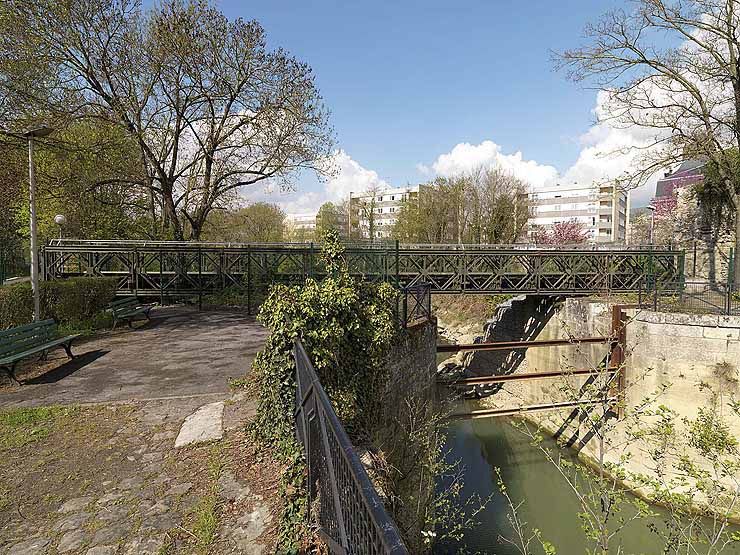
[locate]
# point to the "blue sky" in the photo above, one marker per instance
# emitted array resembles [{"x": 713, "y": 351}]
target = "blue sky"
[{"x": 407, "y": 81}]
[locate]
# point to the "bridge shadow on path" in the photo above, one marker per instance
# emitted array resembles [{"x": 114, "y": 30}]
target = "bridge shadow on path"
[
  {"x": 181, "y": 353},
  {"x": 67, "y": 369}
]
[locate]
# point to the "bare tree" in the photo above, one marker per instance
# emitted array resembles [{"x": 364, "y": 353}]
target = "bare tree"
[
  {"x": 211, "y": 109},
  {"x": 671, "y": 67}
]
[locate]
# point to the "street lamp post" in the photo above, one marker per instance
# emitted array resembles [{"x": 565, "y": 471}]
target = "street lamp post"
[
  {"x": 652, "y": 222},
  {"x": 60, "y": 220},
  {"x": 31, "y": 135}
]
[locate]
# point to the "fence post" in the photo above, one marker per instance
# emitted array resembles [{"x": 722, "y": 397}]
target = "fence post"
[
  {"x": 404, "y": 319},
  {"x": 161, "y": 277},
  {"x": 200, "y": 279},
  {"x": 655, "y": 297},
  {"x": 249, "y": 281}
]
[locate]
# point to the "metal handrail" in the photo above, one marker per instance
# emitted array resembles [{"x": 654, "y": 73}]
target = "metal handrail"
[
  {"x": 142, "y": 243},
  {"x": 350, "y": 515}
]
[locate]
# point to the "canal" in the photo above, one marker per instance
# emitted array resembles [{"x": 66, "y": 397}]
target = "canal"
[{"x": 549, "y": 504}]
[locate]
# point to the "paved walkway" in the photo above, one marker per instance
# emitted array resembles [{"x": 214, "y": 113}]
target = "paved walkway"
[
  {"x": 181, "y": 353},
  {"x": 106, "y": 478}
]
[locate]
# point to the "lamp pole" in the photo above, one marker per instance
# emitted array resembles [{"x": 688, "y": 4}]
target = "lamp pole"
[
  {"x": 30, "y": 135},
  {"x": 60, "y": 220},
  {"x": 652, "y": 222}
]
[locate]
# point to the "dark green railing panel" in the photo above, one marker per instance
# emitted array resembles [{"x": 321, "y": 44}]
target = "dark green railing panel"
[{"x": 177, "y": 269}]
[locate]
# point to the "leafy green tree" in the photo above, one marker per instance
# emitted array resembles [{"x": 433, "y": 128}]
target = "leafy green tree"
[
  {"x": 482, "y": 207},
  {"x": 670, "y": 68},
  {"x": 85, "y": 171},
  {"x": 209, "y": 107},
  {"x": 328, "y": 218},
  {"x": 260, "y": 222}
]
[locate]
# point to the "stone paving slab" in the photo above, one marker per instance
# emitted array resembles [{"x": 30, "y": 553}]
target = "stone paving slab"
[{"x": 205, "y": 424}]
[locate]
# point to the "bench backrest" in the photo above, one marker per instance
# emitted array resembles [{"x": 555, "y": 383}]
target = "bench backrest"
[
  {"x": 125, "y": 303},
  {"x": 23, "y": 338}
]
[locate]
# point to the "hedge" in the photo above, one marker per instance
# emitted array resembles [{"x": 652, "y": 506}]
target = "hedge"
[{"x": 67, "y": 301}]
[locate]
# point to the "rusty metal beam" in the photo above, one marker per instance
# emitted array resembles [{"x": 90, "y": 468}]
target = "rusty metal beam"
[
  {"x": 488, "y": 413},
  {"x": 513, "y": 345},
  {"x": 525, "y": 376}
]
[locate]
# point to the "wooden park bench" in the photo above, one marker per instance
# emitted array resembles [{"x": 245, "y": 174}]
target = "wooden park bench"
[
  {"x": 23, "y": 342},
  {"x": 127, "y": 309}
]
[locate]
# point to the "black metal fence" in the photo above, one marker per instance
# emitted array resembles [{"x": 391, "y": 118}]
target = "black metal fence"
[
  {"x": 12, "y": 263},
  {"x": 416, "y": 304},
  {"x": 694, "y": 297},
  {"x": 343, "y": 501}
]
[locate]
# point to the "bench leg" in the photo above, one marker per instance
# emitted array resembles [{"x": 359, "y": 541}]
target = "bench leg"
[
  {"x": 68, "y": 350},
  {"x": 10, "y": 371}
]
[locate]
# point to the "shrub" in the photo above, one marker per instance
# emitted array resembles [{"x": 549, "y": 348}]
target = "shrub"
[{"x": 69, "y": 301}]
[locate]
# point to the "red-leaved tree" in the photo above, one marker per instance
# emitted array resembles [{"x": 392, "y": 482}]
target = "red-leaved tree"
[{"x": 572, "y": 232}]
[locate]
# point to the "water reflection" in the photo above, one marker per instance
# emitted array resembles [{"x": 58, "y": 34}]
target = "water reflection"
[{"x": 551, "y": 506}]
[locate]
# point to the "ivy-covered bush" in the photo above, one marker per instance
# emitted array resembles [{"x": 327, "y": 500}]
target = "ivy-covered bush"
[
  {"x": 346, "y": 327},
  {"x": 70, "y": 301}
]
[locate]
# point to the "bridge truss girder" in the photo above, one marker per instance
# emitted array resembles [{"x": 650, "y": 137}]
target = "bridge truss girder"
[{"x": 181, "y": 269}]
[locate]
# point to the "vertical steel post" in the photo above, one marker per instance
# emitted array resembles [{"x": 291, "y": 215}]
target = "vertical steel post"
[
  {"x": 161, "y": 277},
  {"x": 134, "y": 272},
  {"x": 398, "y": 270},
  {"x": 200, "y": 279},
  {"x": 310, "y": 260},
  {"x": 617, "y": 355},
  {"x": 249, "y": 280}
]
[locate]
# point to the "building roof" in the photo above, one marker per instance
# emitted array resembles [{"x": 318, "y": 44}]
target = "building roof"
[{"x": 688, "y": 173}]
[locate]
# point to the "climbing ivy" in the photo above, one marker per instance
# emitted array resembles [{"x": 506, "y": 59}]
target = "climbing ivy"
[{"x": 346, "y": 327}]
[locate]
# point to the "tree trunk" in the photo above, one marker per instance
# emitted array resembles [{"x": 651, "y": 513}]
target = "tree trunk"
[
  {"x": 171, "y": 212},
  {"x": 736, "y": 260}
]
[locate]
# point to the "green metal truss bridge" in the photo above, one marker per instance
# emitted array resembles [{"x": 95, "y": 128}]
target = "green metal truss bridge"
[{"x": 171, "y": 269}]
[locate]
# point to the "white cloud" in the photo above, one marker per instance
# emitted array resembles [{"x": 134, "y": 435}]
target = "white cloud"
[
  {"x": 347, "y": 176},
  {"x": 607, "y": 152},
  {"x": 465, "y": 157},
  {"x": 350, "y": 177}
]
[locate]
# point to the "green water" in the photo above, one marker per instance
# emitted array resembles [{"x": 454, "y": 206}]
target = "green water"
[{"x": 550, "y": 505}]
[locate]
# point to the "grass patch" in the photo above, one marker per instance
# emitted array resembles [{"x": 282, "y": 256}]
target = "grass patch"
[
  {"x": 206, "y": 512},
  {"x": 19, "y": 427}
]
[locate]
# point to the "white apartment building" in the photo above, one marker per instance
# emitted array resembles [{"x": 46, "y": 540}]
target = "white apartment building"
[
  {"x": 305, "y": 221},
  {"x": 603, "y": 210},
  {"x": 382, "y": 207}
]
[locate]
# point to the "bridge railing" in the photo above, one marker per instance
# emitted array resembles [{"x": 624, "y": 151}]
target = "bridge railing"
[
  {"x": 416, "y": 304},
  {"x": 343, "y": 501},
  {"x": 12, "y": 263},
  {"x": 698, "y": 297},
  {"x": 176, "y": 269}
]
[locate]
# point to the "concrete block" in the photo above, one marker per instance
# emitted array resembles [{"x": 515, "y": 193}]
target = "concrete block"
[
  {"x": 205, "y": 424},
  {"x": 729, "y": 322},
  {"x": 691, "y": 319},
  {"x": 677, "y": 331},
  {"x": 722, "y": 333}
]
